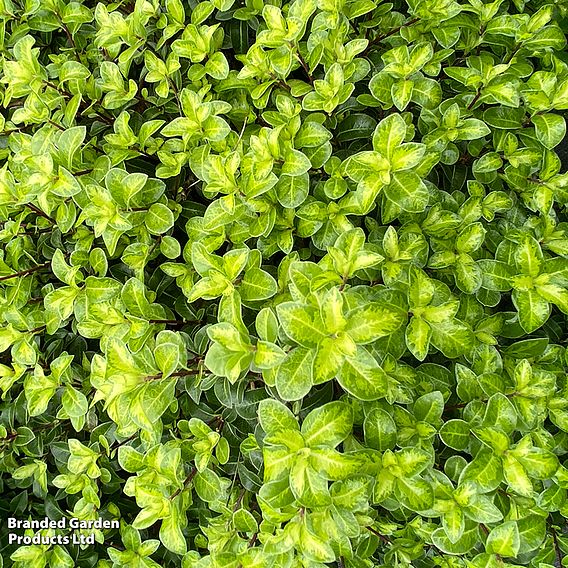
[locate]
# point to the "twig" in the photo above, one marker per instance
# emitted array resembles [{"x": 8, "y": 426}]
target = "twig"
[
  {"x": 176, "y": 374},
  {"x": 39, "y": 212},
  {"x": 514, "y": 52},
  {"x": 384, "y": 36},
  {"x": 475, "y": 99},
  {"x": 37, "y": 329},
  {"x": 56, "y": 125},
  {"x": 186, "y": 482},
  {"x": 381, "y": 536},
  {"x": 174, "y": 321},
  {"x": 25, "y": 272},
  {"x": 239, "y": 499},
  {"x": 36, "y": 232},
  {"x": 558, "y": 552},
  {"x": 305, "y": 66},
  {"x": 68, "y": 34}
]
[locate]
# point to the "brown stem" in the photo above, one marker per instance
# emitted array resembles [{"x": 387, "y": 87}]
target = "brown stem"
[
  {"x": 69, "y": 36},
  {"x": 104, "y": 117},
  {"x": 176, "y": 374},
  {"x": 463, "y": 404},
  {"x": 381, "y": 536},
  {"x": 455, "y": 406},
  {"x": 25, "y": 272},
  {"x": 9, "y": 437},
  {"x": 61, "y": 90},
  {"x": 239, "y": 500},
  {"x": 186, "y": 482},
  {"x": 557, "y": 551},
  {"x": 37, "y": 329},
  {"x": 56, "y": 125},
  {"x": 384, "y": 36},
  {"x": 12, "y": 436},
  {"x": 36, "y": 232},
  {"x": 475, "y": 99},
  {"x": 514, "y": 52},
  {"x": 117, "y": 444},
  {"x": 174, "y": 321},
  {"x": 39, "y": 212},
  {"x": 305, "y": 66}
]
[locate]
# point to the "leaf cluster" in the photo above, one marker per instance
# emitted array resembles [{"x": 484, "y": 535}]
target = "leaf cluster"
[{"x": 285, "y": 284}]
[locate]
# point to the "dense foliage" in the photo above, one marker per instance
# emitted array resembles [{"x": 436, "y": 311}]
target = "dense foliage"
[{"x": 285, "y": 284}]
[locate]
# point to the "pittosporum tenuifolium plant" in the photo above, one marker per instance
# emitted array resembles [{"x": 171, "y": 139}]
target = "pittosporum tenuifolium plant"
[{"x": 284, "y": 284}]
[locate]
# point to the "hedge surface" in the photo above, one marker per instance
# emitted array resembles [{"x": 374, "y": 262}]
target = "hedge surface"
[{"x": 284, "y": 284}]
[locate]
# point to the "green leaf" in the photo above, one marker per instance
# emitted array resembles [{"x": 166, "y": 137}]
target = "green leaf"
[
  {"x": 389, "y": 134},
  {"x": 408, "y": 192},
  {"x": 456, "y": 434},
  {"x": 293, "y": 190},
  {"x": 380, "y": 430},
  {"x": 275, "y": 416},
  {"x": 504, "y": 540},
  {"x": 295, "y": 163},
  {"x": 533, "y": 310},
  {"x": 268, "y": 355},
  {"x": 159, "y": 219},
  {"x": 244, "y": 521},
  {"x": 415, "y": 493},
  {"x": 362, "y": 377},
  {"x": 217, "y": 66},
  {"x": 429, "y": 407},
  {"x": 473, "y": 128},
  {"x": 372, "y": 321},
  {"x": 207, "y": 486},
  {"x": 463, "y": 545},
  {"x": 452, "y": 338},
  {"x": 550, "y": 129},
  {"x": 333, "y": 465},
  {"x": 497, "y": 275},
  {"x": 328, "y": 425},
  {"x": 169, "y": 352},
  {"x": 74, "y": 402},
  {"x": 314, "y": 547},
  {"x": 485, "y": 470},
  {"x": 453, "y": 523},
  {"x": 308, "y": 486},
  {"x": 257, "y": 285},
  {"x": 294, "y": 378},
  {"x": 69, "y": 143},
  {"x": 301, "y": 324},
  {"x": 417, "y": 336}
]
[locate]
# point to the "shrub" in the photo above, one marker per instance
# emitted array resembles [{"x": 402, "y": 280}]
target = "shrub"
[{"x": 284, "y": 285}]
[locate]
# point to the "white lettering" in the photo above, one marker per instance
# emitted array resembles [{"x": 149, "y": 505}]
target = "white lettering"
[
  {"x": 102, "y": 524},
  {"x": 83, "y": 539},
  {"x": 64, "y": 523}
]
